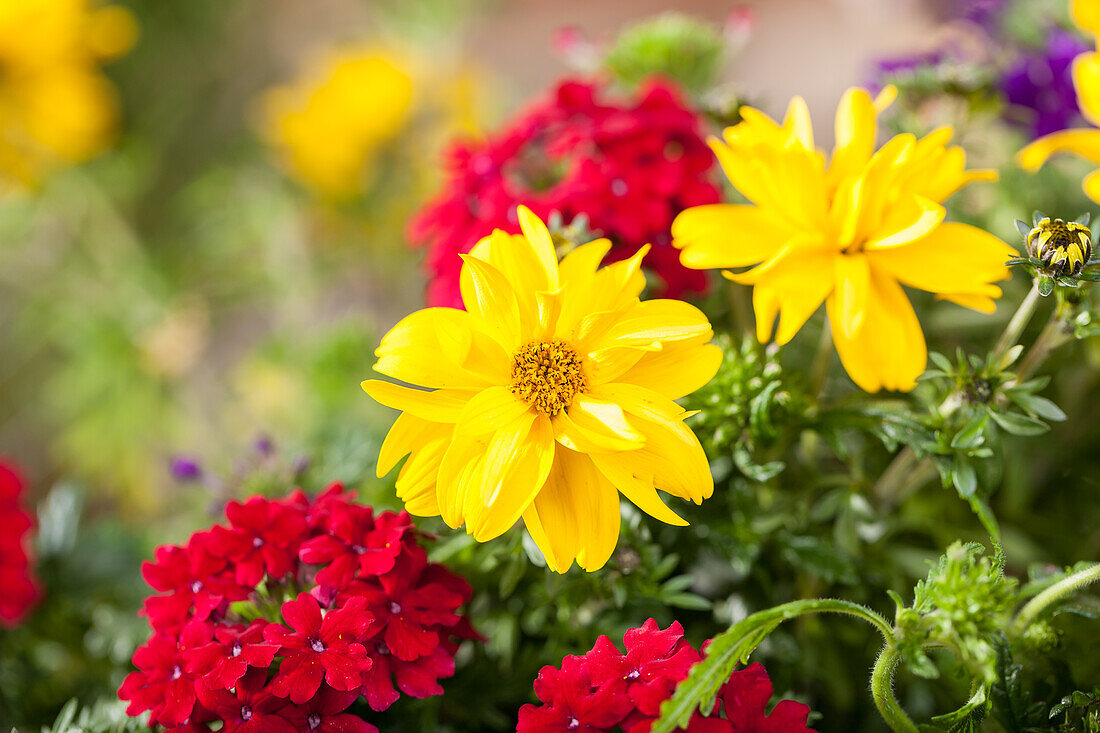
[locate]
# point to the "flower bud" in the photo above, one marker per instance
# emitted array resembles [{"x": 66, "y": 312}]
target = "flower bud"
[{"x": 1063, "y": 248}]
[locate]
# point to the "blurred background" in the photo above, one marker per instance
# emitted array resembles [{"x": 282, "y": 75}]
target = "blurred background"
[{"x": 204, "y": 231}]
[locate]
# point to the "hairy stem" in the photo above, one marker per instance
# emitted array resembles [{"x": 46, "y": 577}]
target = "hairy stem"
[
  {"x": 1065, "y": 586},
  {"x": 1019, "y": 321},
  {"x": 882, "y": 689}
]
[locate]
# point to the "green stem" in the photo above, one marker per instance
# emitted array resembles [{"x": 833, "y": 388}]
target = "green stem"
[
  {"x": 1057, "y": 332},
  {"x": 819, "y": 369},
  {"x": 882, "y": 689},
  {"x": 904, "y": 474},
  {"x": 1016, "y": 326},
  {"x": 1065, "y": 586}
]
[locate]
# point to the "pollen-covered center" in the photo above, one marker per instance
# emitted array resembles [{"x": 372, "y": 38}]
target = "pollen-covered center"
[{"x": 547, "y": 375}]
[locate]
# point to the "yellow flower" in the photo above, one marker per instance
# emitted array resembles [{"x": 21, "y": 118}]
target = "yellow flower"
[
  {"x": 330, "y": 127},
  {"x": 1086, "y": 80},
  {"x": 56, "y": 108},
  {"x": 551, "y": 393},
  {"x": 849, "y": 234}
]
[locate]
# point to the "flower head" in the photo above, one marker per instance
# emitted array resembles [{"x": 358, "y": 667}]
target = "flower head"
[
  {"x": 630, "y": 167},
  {"x": 1086, "y": 80},
  {"x": 220, "y": 651},
  {"x": 329, "y": 127},
  {"x": 848, "y": 233},
  {"x": 552, "y": 392},
  {"x": 58, "y": 108},
  {"x": 607, "y": 690}
]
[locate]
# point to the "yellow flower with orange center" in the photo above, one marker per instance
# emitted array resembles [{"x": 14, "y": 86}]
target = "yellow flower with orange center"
[
  {"x": 550, "y": 394},
  {"x": 1086, "y": 80},
  {"x": 848, "y": 233},
  {"x": 56, "y": 108},
  {"x": 330, "y": 126}
]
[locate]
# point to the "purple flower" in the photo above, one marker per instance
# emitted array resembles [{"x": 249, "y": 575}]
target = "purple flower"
[
  {"x": 1039, "y": 86},
  {"x": 185, "y": 468}
]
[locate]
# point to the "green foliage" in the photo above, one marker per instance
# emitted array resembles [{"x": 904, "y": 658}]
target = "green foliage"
[
  {"x": 102, "y": 717},
  {"x": 673, "y": 45}
]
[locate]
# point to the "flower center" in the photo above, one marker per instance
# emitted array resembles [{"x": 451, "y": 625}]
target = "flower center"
[
  {"x": 382, "y": 649},
  {"x": 394, "y": 607},
  {"x": 236, "y": 649},
  {"x": 176, "y": 673},
  {"x": 317, "y": 645},
  {"x": 547, "y": 375},
  {"x": 314, "y": 721},
  {"x": 632, "y": 675},
  {"x": 358, "y": 549},
  {"x": 246, "y": 712},
  {"x": 573, "y": 724},
  {"x": 257, "y": 542}
]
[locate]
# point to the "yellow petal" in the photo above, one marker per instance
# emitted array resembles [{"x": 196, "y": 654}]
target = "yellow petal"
[
  {"x": 517, "y": 462},
  {"x": 1091, "y": 186},
  {"x": 885, "y": 97},
  {"x": 888, "y": 351},
  {"x": 1085, "y": 143},
  {"x": 439, "y": 348},
  {"x": 907, "y": 221},
  {"x": 408, "y": 434},
  {"x": 635, "y": 485},
  {"x": 955, "y": 258},
  {"x": 677, "y": 370},
  {"x": 1086, "y": 13},
  {"x": 672, "y": 457},
  {"x": 580, "y": 430},
  {"x": 440, "y": 405},
  {"x": 798, "y": 123},
  {"x": 416, "y": 483},
  {"x": 517, "y": 260},
  {"x": 576, "y": 514},
  {"x": 649, "y": 323},
  {"x": 982, "y": 303},
  {"x": 727, "y": 235},
  {"x": 855, "y": 134},
  {"x": 487, "y": 294},
  {"x": 853, "y": 279},
  {"x": 795, "y": 284},
  {"x": 490, "y": 410},
  {"x": 1086, "y": 79},
  {"x": 539, "y": 237},
  {"x": 462, "y": 464}
]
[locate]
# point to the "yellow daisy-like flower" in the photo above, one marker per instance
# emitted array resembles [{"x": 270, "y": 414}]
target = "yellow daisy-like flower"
[
  {"x": 849, "y": 234},
  {"x": 1086, "y": 80},
  {"x": 550, "y": 394},
  {"x": 331, "y": 125},
  {"x": 56, "y": 108}
]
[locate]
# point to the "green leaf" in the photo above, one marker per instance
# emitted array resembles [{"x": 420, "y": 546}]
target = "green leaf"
[
  {"x": 1089, "y": 275},
  {"x": 973, "y": 433},
  {"x": 1019, "y": 424},
  {"x": 1046, "y": 285},
  {"x": 1036, "y": 405},
  {"x": 733, "y": 646},
  {"x": 964, "y": 477},
  {"x": 820, "y": 559},
  {"x": 985, "y": 515},
  {"x": 1023, "y": 228},
  {"x": 941, "y": 361},
  {"x": 689, "y": 601}
]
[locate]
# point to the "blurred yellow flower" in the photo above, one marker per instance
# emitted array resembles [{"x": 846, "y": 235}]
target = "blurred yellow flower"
[
  {"x": 330, "y": 126},
  {"x": 1086, "y": 80},
  {"x": 849, "y": 234},
  {"x": 550, "y": 394},
  {"x": 56, "y": 108}
]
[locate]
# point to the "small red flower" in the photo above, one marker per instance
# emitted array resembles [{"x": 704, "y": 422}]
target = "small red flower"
[
  {"x": 605, "y": 690},
  {"x": 325, "y": 713},
  {"x": 264, "y": 539},
  {"x": 160, "y": 685},
  {"x": 320, "y": 647},
  {"x": 250, "y": 708},
  {"x": 410, "y": 605},
  {"x": 20, "y": 589},
  {"x": 418, "y": 678},
  {"x": 745, "y": 699},
  {"x": 629, "y": 166},
  {"x": 356, "y": 545},
  {"x": 199, "y": 582},
  {"x": 574, "y": 703},
  {"x": 224, "y": 657}
]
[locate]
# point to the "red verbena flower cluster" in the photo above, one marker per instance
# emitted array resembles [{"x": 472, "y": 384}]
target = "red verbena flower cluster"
[
  {"x": 282, "y": 619},
  {"x": 629, "y": 167},
  {"x": 18, "y": 588},
  {"x": 607, "y": 690}
]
